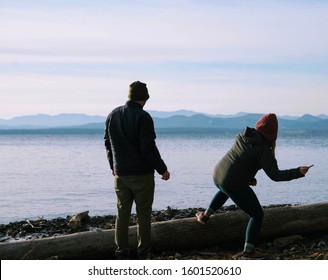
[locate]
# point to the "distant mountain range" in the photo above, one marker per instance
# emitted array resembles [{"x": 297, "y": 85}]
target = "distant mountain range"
[
  {"x": 63, "y": 120},
  {"x": 47, "y": 121},
  {"x": 177, "y": 121}
]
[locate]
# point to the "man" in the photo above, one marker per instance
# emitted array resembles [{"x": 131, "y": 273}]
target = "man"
[{"x": 133, "y": 158}]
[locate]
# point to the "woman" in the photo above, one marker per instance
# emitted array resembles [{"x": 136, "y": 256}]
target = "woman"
[{"x": 254, "y": 149}]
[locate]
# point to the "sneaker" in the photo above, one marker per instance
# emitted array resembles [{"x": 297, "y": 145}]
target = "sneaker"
[
  {"x": 123, "y": 255},
  {"x": 147, "y": 256},
  {"x": 202, "y": 218},
  {"x": 254, "y": 255}
]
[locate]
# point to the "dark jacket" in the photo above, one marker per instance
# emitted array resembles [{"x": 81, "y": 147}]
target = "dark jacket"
[
  {"x": 250, "y": 153},
  {"x": 130, "y": 141}
]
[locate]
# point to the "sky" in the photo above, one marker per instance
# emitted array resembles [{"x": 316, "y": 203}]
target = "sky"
[{"x": 216, "y": 57}]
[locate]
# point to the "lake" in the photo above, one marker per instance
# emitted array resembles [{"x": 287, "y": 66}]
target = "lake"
[{"x": 55, "y": 175}]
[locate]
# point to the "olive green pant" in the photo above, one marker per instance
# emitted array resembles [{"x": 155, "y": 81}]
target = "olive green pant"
[{"x": 138, "y": 188}]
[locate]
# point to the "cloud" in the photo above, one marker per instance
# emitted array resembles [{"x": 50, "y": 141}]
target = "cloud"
[
  {"x": 187, "y": 31},
  {"x": 214, "y": 56}
]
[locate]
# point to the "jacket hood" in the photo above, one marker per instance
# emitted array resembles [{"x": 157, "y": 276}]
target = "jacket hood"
[{"x": 253, "y": 137}]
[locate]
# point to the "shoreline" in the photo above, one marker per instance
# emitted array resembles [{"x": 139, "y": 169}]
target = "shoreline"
[
  {"x": 312, "y": 246},
  {"x": 29, "y": 229}
]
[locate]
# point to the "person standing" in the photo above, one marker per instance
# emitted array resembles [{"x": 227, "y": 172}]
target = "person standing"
[
  {"x": 133, "y": 158},
  {"x": 234, "y": 174}
]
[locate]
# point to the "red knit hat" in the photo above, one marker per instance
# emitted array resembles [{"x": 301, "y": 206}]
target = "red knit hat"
[{"x": 268, "y": 127}]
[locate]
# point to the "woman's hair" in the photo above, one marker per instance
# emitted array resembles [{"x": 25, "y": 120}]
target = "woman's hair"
[{"x": 273, "y": 147}]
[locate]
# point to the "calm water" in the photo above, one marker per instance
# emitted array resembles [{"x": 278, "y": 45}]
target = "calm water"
[{"x": 58, "y": 175}]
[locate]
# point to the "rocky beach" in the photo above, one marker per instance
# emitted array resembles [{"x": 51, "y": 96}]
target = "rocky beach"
[{"x": 313, "y": 246}]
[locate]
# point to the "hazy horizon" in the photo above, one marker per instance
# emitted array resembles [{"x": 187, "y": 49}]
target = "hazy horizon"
[{"x": 158, "y": 111}]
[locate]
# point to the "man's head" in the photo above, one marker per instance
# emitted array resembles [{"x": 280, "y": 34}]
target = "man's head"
[{"x": 138, "y": 91}]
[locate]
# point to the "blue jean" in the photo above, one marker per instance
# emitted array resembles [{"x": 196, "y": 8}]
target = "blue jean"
[{"x": 246, "y": 200}]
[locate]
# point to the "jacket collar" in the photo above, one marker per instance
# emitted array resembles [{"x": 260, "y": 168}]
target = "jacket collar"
[
  {"x": 253, "y": 137},
  {"x": 132, "y": 103}
]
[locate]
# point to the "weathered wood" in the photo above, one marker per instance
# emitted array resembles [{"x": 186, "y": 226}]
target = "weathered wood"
[
  {"x": 176, "y": 234},
  {"x": 230, "y": 227}
]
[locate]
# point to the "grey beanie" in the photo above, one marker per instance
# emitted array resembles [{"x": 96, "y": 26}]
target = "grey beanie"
[{"x": 138, "y": 91}]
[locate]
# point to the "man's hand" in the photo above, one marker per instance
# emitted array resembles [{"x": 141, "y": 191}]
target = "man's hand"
[
  {"x": 253, "y": 182},
  {"x": 166, "y": 175}
]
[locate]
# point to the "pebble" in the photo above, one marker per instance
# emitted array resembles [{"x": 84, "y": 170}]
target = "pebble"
[
  {"x": 211, "y": 254},
  {"x": 322, "y": 244},
  {"x": 4, "y": 238},
  {"x": 177, "y": 256}
]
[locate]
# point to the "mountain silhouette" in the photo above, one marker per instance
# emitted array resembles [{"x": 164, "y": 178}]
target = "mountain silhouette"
[{"x": 182, "y": 120}]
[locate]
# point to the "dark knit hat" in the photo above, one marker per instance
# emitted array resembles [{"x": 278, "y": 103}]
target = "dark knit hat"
[
  {"x": 138, "y": 91},
  {"x": 268, "y": 127}
]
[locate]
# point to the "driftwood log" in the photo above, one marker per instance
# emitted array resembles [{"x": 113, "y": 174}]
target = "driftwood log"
[{"x": 186, "y": 233}]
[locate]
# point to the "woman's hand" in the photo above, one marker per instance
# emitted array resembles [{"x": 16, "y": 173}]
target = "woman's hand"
[{"x": 304, "y": 169}]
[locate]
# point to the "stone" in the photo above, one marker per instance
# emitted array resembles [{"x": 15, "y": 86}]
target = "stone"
[
  {"x": 77, "y": 219},
  {"x": 284, "y": 241}
]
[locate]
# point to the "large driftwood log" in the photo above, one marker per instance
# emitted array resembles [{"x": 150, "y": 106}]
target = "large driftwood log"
[{"x": 176, "y": 234}]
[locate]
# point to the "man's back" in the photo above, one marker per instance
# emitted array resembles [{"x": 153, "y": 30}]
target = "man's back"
[{"x": 130, "y": 137}]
